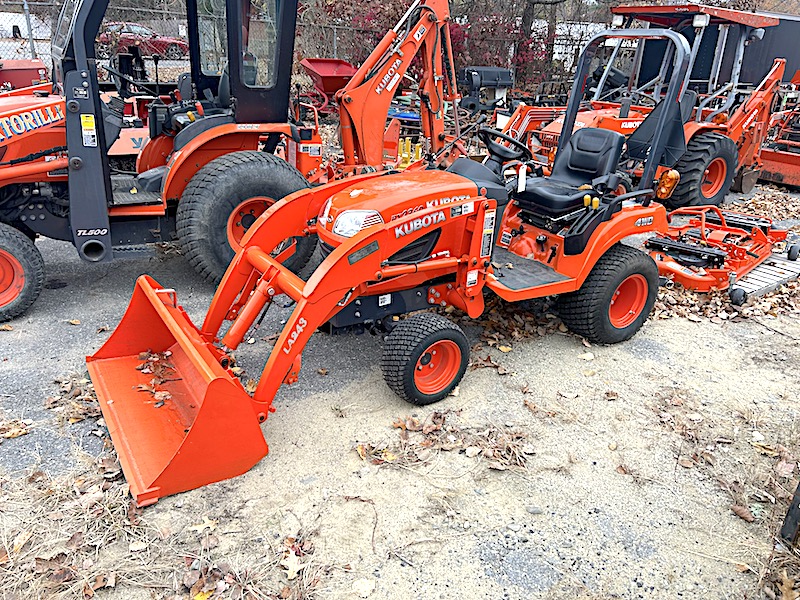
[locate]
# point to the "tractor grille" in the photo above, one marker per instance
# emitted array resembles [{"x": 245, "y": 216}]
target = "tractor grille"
[
  {"x": 373, "y": 219},
  {"x": 418, "y": 250},
  {"x": 549, "y": 141}
]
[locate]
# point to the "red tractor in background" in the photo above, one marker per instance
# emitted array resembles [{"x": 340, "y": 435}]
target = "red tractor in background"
[{"x": 723, "y": 119}]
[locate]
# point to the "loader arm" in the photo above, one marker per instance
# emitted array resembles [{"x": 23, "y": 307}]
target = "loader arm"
[
  {"x": 364, "y": 101},
  {"x": 351, "y": 270}
]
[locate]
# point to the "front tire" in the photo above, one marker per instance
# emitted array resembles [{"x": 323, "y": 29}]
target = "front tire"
[
  {"x": 424, "y": 358},
  {"x": 21, "y": 272},
  {"x": 223, "y": 200},
  {"x": 616, "y": 298},
  {"x": 707, "y": 170}
]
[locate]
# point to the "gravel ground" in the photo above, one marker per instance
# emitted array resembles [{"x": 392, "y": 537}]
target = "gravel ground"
[{"x": 634, "y": 455}]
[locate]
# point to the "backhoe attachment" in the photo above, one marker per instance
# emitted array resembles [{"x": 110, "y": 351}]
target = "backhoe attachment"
[{"x": 178, "y": 415}]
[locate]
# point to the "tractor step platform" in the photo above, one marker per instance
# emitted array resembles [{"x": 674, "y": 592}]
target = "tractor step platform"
[
  {"x": 126, "y": 192},
  {"x": 768, "y": 276},
  {"x": 741, "y": 221},
  {"x": 519, "y": 273}
]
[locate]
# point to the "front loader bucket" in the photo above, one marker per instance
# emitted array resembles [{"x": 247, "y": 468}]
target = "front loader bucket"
[{"x": 202, "y": 430}]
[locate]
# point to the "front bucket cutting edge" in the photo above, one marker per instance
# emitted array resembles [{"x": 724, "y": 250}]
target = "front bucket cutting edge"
[{"x": 202, "y": 430}]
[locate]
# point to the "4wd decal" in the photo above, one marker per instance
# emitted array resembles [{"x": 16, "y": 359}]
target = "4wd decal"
[
  {"x": 643, "y": 222},
  {"x": 29, "y": 120},
  {"x": 418, "y": 224}
]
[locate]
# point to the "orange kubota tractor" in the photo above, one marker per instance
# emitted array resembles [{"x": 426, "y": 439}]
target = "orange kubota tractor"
[
  {"x": 208, "y": 169},
  {"x": 724, "y": 120},
  {"x": 395, "y": 243},
  {"x": 199, "y": 172}
]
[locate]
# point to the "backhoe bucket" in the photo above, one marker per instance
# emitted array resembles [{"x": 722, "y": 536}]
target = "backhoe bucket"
[{"x": 178, "y": 419}]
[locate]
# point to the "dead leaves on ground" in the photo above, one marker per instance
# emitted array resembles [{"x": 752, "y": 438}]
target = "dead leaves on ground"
[
  {"x": 204, "y": 579},
  {"x": 15, "y": 428},
  {"x": 502, "y": 447},
  {"x": 76, "y": 400}
]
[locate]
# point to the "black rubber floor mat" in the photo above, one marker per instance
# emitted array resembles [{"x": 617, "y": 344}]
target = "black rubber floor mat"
[{"x": 518, "y": 273}]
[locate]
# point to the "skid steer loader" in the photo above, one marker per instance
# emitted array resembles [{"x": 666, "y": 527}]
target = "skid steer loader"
[{"x": 395, "y": 243}]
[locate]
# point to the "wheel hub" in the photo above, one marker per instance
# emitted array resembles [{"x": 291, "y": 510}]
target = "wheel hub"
[
  {"x": 437, "y": 367},
  {"x": 12, "y": 278},
  {"x": 243, "y": 217},
  {"x": 628, "y": 301},
  {"x": 714, "y": 177}
]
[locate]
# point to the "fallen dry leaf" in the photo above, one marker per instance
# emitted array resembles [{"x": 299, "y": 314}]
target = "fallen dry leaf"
[
  {"x": 504, "y": 348},
  {"x": 743, "y": 513},
  {"x": 20, "y": 540},
  {"x": 137, "y": 546},
  {"x": 210, "y": 524},
  {"x": 14, "y": 429},
  {"x": 322, "y": 371},
  {"x": 291, "y": 562},
  {"x": 74, "y": 321},
  {"x": 250, "y": 386},
  {"x": 103, "y": 328},
  {"x": 6, "y": 327},
  {"x": 787, "y": 587}
]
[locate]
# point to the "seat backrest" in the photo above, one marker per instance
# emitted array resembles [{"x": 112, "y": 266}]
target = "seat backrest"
[
  {"x": 185, "y": 86},
  {"x": 224, "y": 95},
  {"x": 590, "y": 153},
  {"x": 640, "y": 140}
]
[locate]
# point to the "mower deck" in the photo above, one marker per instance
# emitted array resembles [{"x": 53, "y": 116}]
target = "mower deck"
[
  {"x": 768, "y": 276},
  {"x": 518, "y": 273}
]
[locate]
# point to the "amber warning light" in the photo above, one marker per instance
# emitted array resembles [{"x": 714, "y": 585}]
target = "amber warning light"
[{"x": 667, "y": 183}]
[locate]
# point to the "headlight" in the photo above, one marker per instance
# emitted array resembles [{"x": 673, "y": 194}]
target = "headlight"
[{"x": 350, "y": 222}]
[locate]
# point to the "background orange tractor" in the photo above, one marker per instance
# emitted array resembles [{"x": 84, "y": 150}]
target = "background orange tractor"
[{"x": 723, "y": 119}]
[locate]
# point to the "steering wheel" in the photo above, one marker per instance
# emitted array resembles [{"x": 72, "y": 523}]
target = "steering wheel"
[
  {"x": 127, "y": 79},
  {"x": 516, "y": 151}
]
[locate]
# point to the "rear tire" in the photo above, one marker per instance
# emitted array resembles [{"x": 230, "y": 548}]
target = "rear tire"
[
  {"x": 424, "y": 358},
  {"x": 21, "y": 272},
  {"x": 707, "y": 169},
  {"x": 247, "y": 179},
  {"x": 616, "y": 298},
  {"x": 793, "y": 252}
]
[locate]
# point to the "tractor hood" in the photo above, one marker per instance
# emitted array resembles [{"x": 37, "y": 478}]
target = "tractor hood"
[
  {"x": 604, "y": 118},
  {"x": 391, "y": 196},
  {"x": 22, "y": 115}
]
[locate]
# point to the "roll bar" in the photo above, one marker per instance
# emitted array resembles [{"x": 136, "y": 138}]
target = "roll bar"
[{"x": 679, "y": 68}]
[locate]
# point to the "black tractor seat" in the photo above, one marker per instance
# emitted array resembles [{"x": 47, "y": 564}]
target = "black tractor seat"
[{"x": 590, "y": 153}]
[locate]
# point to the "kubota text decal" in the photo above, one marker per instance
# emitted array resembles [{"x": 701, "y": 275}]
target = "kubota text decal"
[{"x": 29, "y": 120}]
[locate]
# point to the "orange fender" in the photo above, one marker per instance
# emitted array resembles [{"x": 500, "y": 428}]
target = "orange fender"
[{"x": 211, "y": 144}]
